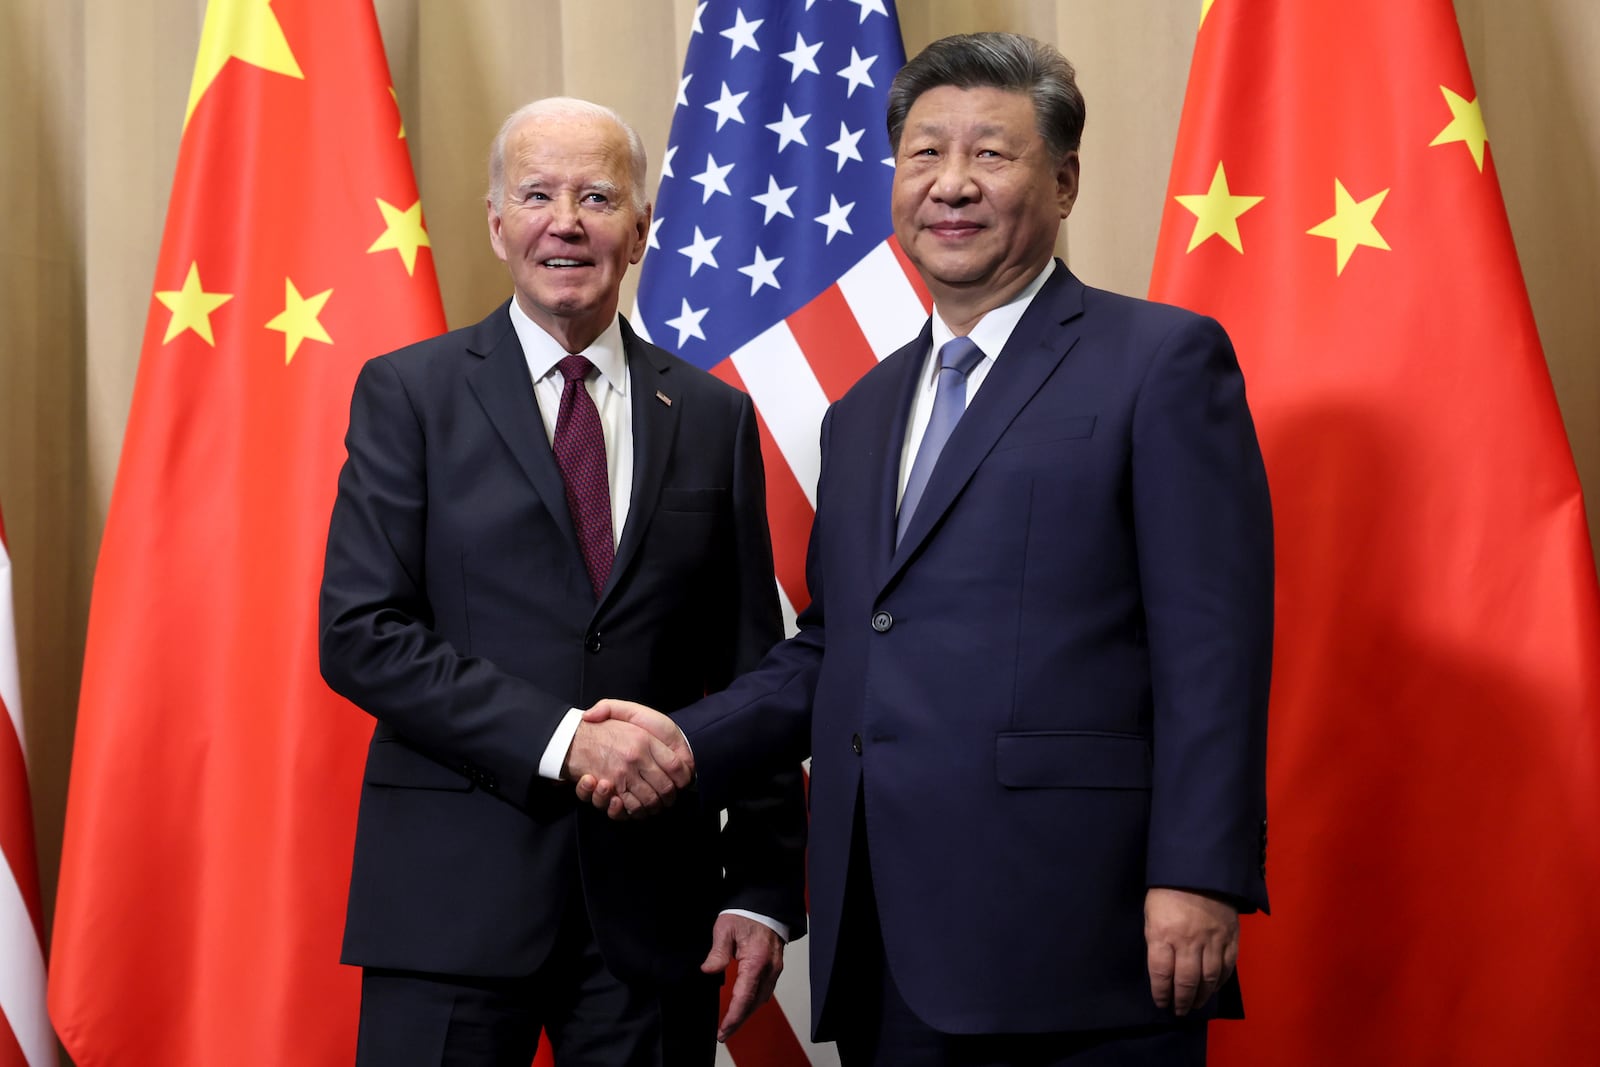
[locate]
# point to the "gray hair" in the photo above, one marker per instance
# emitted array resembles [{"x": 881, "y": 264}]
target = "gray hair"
[
  {"x": 1007, "y": 61},
  {"x": 564, "y": 106}
]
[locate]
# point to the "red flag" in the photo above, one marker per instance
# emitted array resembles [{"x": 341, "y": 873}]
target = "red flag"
[
  {"x": 1433, "y": 749},
  {"x": 214, "y": 784},
  {"x": 25, "y": 1037}
]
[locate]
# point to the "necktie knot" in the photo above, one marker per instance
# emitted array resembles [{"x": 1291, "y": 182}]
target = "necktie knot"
[
  {"x": 960, "y": 354},
  {"x": 575, "y": 368}
]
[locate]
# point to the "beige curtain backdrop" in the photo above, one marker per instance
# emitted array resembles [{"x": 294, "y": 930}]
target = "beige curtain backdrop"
[{"x": 92, "y": 95}]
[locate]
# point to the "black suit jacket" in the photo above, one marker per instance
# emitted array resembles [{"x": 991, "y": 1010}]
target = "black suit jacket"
[{"x": 456, "y": 610}]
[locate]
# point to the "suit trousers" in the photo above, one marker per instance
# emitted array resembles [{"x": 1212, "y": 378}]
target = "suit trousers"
[
  {"x": 876, "y": 1028},
  {"x": 591, "y": 1017}
]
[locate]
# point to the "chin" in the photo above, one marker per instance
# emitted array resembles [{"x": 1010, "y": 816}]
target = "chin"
[{"x": 957, "y": 276}]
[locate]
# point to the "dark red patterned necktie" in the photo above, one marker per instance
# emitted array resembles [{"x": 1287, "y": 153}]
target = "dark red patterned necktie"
[{"x": 580, "y": 448}]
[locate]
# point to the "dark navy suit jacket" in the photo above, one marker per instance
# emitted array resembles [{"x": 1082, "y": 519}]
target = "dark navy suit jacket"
[
  {"x": 456, "y": 610},
  {"x": 1052, "y": 694}
]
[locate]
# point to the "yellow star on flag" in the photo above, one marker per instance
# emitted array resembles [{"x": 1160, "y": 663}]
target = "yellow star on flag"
[
  {"x": 1351, "y": 224},
  {"x": 246, "y": 30},
  {"x": 1466, "y": 124},
  {"x": 298, "y": 319},
  {"x": 402, "y": 133},
  {"x": 1205, "y": 9},
  {"x": 403, "y": 232},
  {"x": 191, "y": 307},
  {"x": 1216, "y": 212}
]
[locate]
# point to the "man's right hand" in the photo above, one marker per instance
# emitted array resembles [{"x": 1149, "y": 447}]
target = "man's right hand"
[
  {"x": 624, "y": 768},
  {"x": 608, "y": 786}
]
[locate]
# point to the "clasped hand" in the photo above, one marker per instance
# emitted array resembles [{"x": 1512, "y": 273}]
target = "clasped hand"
[{"x": 629, "y": 760}]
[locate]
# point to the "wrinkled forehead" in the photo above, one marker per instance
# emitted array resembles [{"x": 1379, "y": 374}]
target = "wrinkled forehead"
[{"x": 568, "y": 149}]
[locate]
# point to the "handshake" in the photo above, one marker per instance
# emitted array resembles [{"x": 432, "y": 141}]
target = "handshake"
[{"x": 628, "y": 760}]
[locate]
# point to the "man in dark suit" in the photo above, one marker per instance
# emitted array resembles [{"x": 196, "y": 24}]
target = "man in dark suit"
[
  {"x": 535, "y": 511},
  {"x": 1033, "y": 675}
]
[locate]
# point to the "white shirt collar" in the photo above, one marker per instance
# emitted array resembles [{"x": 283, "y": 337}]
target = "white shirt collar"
[
  {"x": 995, "y": 328},
  {"x": 543, "y": 352}
]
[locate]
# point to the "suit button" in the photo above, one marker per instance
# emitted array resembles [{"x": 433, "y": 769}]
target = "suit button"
[
  {"x": 592, "y": 642},
  {"x": 881, "y": 621},
  {"x": 855, "y": 743}
]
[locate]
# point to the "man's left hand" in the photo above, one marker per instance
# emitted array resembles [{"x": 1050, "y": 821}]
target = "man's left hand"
[
  {"x": 1192, "y": 945},
  {"x": 759, "y": 950}
]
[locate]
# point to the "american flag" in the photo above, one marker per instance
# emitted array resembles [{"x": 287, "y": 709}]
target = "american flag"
[
  {"x": 771, "y": 261},
  {"x": 25, "y": 1036}
]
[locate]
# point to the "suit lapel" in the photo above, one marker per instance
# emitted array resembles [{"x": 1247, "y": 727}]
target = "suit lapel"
[
  {"x": 889, "y": 443},
  {"x": 504, "y": 389},
  {"x": 1048, "y": 330},
  {"x": 655, "y": 427}
]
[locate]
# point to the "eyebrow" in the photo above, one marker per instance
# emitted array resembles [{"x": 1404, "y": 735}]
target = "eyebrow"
[
  {"x": 986, "y": 130},
  {"x": 603, "y": 185}
]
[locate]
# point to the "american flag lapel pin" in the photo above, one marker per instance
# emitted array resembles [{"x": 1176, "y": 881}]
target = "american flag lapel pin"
[{"x": 664, "y": 398}]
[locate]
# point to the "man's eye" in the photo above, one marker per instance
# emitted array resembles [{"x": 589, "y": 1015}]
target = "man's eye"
[{"x": 598, "y": 198}]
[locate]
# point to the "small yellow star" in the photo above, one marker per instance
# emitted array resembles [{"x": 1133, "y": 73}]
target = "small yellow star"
[
  {"x": 1351, "y": 225},
  {"x": 403, "y": 232},
  {"x": 298, "y": 319},
  {"x": 191, "y": 307},
  {"x": 402, "y": 133},
  {"x": 1466, "y": 125},
  {"x": 246, "y": 30},
  {"x": 1205, "y": 9},
  {"x": 1217, "y": 211}
]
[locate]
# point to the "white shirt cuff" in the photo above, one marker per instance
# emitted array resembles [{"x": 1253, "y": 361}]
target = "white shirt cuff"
[
  {"x": 555, "y": 753},
  {"x": 781, "y": 929}
]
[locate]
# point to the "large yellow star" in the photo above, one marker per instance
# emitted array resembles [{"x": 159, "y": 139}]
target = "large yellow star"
[
  {"x": 191, "y": 307},
  {"x": 298, "y": 319},
  {"x": 1351, "y": 223},
  {"x": 1216, "y": 212},
  {"x": 1205, "y": 9},
  {"x": 246, "y": 30},
  {"x": 403, "y": 232},
  {"x": 1466, "y": 125}
]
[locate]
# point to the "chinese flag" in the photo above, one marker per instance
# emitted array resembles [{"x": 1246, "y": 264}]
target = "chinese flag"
[
  {"x": 214, "y": 782},
  {"x": 1433, "y": 772}
]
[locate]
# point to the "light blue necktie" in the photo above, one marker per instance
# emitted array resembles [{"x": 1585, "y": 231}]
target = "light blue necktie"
[{"x": 956, "y": 359}]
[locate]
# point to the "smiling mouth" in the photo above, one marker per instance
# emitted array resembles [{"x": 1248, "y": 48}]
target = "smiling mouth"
[{"x": 563, "y": 264}]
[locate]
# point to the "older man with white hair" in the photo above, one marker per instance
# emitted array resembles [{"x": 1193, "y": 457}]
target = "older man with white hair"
[{"x": 535, "y": 511}]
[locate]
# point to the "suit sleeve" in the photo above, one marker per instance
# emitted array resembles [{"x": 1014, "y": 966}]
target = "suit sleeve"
[
  {"x": 1203, "y": 525},
  {"x": 764, "y": 840},
  {"x": 378, "y": 645}
]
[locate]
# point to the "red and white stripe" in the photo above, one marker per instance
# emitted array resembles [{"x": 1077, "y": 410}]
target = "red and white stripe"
[
  {"x": 793, "y": 371},
  {"x": 25, "y": 1036},
  {"x": 797, "y": 367}
]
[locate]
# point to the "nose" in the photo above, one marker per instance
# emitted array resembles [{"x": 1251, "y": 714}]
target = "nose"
[
  {"x": 953, "y": 183},
  {"x": 564, "y": 216}
]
